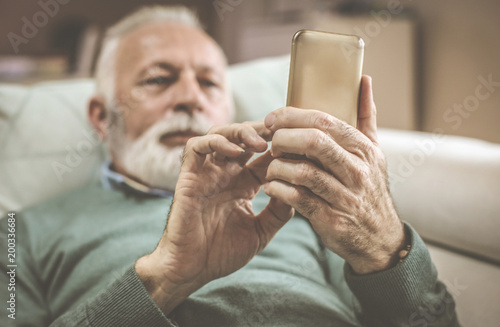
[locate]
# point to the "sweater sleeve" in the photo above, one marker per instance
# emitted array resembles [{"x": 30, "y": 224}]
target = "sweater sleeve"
[
  {"x": 21, "y": 286},
  {"x": 408, "y": 294},
  {"x": 125, "y": 302}
]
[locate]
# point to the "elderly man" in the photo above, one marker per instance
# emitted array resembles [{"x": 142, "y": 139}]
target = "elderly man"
[{"x": 229, "y": 255}]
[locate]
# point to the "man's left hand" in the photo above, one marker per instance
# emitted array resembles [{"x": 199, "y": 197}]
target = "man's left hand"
[{"x": 340, "y": 185}]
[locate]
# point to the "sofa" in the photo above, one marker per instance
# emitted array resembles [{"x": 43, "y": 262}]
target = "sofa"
[{"x": 447, "y": 187}]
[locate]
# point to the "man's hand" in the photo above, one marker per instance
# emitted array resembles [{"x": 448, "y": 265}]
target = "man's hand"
[
  {"x": 340, "y": 185},
  {"x": 212, "y": 230}
]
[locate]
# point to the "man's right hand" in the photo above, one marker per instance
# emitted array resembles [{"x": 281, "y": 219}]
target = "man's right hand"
[{"x": 212, "y": 230}]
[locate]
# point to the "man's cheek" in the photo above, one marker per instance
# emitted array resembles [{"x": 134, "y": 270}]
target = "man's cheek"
[
  {"x": 136, "y": 126},
  {"x": 222, "y": 118},
  {"x": 223, "y": 114}
]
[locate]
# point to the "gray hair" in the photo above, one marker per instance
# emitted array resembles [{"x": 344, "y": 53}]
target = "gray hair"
[{"x": 105, "y": 70}]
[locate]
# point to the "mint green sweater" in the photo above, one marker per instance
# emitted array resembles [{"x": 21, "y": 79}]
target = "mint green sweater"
[{"x": 75, "y": 258}]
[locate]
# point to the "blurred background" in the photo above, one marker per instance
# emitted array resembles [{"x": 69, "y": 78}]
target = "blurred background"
[{"x": 435, "y": 64}]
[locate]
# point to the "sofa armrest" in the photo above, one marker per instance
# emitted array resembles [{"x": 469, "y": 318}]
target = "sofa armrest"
[{"x": 448, "y": 188}]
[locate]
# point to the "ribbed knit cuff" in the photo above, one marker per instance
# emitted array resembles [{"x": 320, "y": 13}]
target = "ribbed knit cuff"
[
  {"x": 126, "y": 303},
  {"x": 396, "y": 292}
]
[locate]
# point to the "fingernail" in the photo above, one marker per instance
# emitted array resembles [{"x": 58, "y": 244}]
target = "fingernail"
[
  {"x": 269, "y": 121},
  {"x": 240, "y": 149}
]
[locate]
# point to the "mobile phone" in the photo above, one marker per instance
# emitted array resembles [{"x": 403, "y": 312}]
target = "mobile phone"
[{"x": 325, "y": 73}]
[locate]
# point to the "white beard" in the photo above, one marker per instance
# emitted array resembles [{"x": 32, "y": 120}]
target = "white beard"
[{"x": 149, "y": 160}]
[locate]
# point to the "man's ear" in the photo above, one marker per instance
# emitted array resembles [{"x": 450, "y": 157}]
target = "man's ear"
[{"x": 97, "y": 116}]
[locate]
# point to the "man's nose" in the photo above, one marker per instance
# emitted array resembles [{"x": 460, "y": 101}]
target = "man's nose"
[{"x": 187, "y": 95}]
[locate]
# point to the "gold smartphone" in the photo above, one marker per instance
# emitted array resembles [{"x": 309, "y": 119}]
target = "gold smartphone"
[{"x": 325, "y": 73}]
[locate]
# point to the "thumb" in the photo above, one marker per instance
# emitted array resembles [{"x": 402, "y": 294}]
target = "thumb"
[
  {"x": 259, "y": 166},
  {"x": 367, "y": 112},
  {"x": 274, "y": 216}
]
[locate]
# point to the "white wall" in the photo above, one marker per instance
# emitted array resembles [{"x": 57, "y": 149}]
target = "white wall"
[{"x": 458, "y": 42}]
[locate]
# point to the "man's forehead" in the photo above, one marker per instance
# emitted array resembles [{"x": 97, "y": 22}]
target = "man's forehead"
[
  {"x": 159, "y": 32},
  {"x": 151, "y": 44}
]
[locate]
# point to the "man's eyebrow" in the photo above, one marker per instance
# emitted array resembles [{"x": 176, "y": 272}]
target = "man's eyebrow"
[
  {"x": 162, "y": 65},
  {"x": 203, "y": 69},
  {"x": 217, "y": 73},
  {"x": 206, "y": 69}
]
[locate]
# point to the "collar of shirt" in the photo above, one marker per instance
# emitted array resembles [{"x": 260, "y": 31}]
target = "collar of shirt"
[{"x": 115, "y": 181}]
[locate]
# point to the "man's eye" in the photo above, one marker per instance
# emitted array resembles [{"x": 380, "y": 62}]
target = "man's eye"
[
  {"x": 158, "y": 81},
  {"x": 207, "y": 83}
]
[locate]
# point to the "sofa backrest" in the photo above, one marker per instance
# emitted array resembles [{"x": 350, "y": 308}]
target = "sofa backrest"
[{"x": 48, "y": 147}]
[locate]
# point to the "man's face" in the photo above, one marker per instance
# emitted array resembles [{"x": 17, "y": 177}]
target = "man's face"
[
  {"x": 170, "y": 85},
  {"x": 165, "y": 68}
]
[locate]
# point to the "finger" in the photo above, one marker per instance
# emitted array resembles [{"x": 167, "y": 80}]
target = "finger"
[
  {"x": 197, "y": 148},
  {"x": 274, "y": 216},
  {"x": 308, "y": 204},
  {"x": 258, "y": 167},
  {"x": 305, "y": 173},
  {"x": 345, "y": 135},
  {"x": 244, "y": 134},
  {"x": 367, "y": 112},
  {"x": 315, "y": 145},
  {"x": 261, "y": 129},
  {"x": 290, "y": 117},
  {"x": 220, "y": 158}
]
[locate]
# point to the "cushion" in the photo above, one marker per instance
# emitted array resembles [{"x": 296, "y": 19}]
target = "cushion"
[
  {"x": 447, "y": 187},
  {"x": 47, "y": 145},
  {"x": 470, "y": 281}
]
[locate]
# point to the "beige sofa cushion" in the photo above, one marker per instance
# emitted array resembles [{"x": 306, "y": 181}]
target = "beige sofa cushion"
[
  {"x": 47, "y": 145},
  {"x": 448, "y": 188},
  {"x": 473, "y": 284}
]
